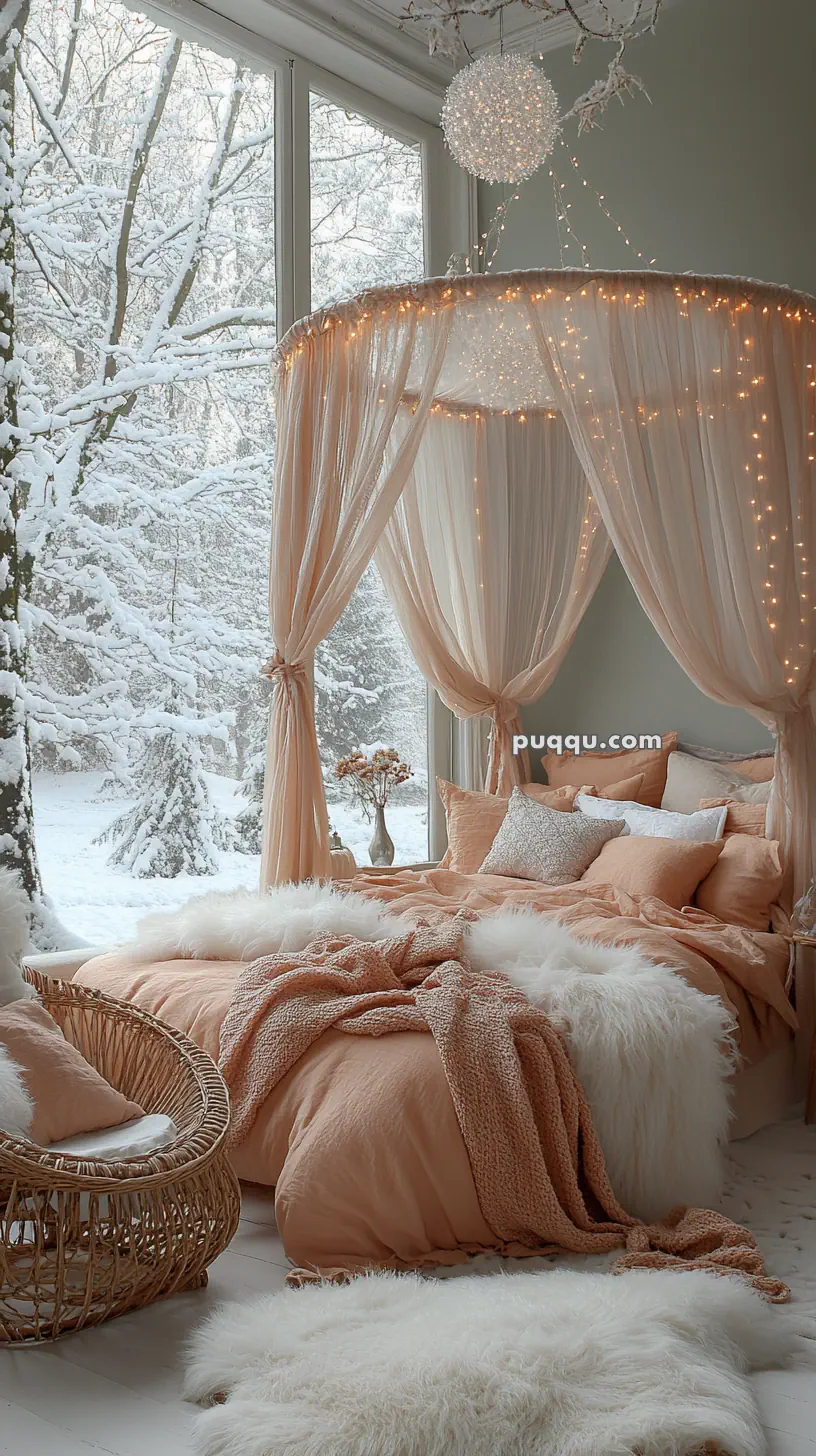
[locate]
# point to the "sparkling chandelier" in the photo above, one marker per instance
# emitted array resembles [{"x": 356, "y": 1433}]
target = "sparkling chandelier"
[{"x": 500, "y": 118}]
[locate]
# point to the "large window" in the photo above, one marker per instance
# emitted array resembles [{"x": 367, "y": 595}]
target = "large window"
[
  {"x": 367, "y": 229},
  {"x": 151, "y": 238}
]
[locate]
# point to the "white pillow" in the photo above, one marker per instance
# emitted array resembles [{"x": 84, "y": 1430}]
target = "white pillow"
[
  {"x": 690, "y": 779},
  {"x": 537, "y": 843},
  {"x": 704, "y": 824}
]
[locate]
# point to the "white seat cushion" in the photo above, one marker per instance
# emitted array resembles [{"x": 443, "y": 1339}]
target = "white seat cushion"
[{"x": 117, "y": 1144}]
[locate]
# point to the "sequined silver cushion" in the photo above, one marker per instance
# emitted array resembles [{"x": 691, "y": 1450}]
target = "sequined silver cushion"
[{"x": 537, "y": 843}]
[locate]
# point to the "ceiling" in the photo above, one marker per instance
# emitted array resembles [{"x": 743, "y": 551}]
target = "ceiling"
[
  {"x": 362, "y": 40},
  {"x": 480, "y": 34}
]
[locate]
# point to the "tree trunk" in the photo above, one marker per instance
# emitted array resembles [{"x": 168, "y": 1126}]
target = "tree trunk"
[{"x": 17, "y": 848}]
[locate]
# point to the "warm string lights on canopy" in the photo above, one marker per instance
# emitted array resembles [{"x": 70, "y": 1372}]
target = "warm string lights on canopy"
[
  {"x": 503, "y": 362},
  {"x": 688, "y": 405}
]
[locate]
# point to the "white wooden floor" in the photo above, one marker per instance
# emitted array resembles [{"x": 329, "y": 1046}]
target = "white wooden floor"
[{"x": 115, "y": 1389}]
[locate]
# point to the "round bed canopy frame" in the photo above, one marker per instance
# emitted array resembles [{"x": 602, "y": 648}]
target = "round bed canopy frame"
[{"x": 490, "y": 439}]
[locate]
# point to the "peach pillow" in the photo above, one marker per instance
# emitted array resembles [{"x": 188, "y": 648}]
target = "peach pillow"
[
  {"x": 474, "y": 820},
  {"x": 628, "y": 789},
  {"x": 69, "y": 1095},
  {"x": 744, "y": 883},
  {"x": 603, "y": 769},
  {"x": 741, "y": 818},
  {"x": 641, "y": 864},
  {"x": 760, "y": 770}
]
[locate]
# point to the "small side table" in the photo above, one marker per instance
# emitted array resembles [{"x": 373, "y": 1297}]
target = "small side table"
[{"x": 804, "y": 980}]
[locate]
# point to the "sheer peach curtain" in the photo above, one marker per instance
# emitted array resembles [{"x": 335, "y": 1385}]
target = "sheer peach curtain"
[
  {"x": 490, "y": 559},
  {"x": 691, "y": 404},
  {"x": 338, "y": 392}
]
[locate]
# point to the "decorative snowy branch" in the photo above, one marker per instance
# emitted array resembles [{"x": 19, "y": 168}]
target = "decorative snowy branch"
[{"x": 445, "y": 22}]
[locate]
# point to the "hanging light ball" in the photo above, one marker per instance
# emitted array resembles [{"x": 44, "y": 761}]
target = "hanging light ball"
[{"x": 500, "y": 118}]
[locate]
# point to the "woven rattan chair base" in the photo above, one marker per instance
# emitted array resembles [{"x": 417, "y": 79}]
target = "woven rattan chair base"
[{"x": 83, "y": 1241}]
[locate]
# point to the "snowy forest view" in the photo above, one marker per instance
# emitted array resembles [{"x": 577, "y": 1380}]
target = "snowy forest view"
[{"x": 137, "y": 441}]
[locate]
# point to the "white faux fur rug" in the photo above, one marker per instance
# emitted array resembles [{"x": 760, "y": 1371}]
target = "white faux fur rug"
[
  {"x": 573, "y": 1362},
  {"x": 547, "y": 1364},
  {"x": 650, "y": 1051}
]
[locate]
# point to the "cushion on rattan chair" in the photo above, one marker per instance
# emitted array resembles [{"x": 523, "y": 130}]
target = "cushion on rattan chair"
[{"x": 117, "y": 1144}]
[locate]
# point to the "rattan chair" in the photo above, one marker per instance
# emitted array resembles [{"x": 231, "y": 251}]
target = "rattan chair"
[{"x": 83, "y": 1240}]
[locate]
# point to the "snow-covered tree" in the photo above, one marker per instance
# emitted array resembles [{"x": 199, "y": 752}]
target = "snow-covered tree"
[
  {"x": 17, "y": 847},
  {"x": 367, "y": 687},
  {"x": 137, "y": 321},
  {"x": 366, "y": 198},
  {"x": 174, "y": 828},
  {"x": 249, "y": 820},
  {"x": 148, "y": 290}
]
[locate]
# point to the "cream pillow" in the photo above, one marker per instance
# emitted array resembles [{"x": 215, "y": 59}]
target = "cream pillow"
[
  {"x": 119, "y": 1144},
  {"x": 536, "y": 843},
  {"x": 690, "y": 779},
  {"x": 706, "y": 824}
]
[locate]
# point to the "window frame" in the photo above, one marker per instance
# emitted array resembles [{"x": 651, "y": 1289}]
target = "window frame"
[
  {"x": 450, "y": 225},
  {"x": 449, "y": 201}
]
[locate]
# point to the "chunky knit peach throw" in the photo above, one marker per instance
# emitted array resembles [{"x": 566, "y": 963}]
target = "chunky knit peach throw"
[{"x": 537, "y": 1164}]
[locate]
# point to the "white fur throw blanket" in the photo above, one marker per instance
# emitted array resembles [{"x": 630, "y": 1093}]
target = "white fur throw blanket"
[
  {"x": 16, "y": 1107},
  {"x": 14, "y": 909},
  {"x": 652, "y": 1053}
]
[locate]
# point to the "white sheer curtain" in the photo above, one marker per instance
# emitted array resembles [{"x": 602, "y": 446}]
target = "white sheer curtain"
[
  {"x": 692, "y": 409},
  {"x": 490, "y": 558},
  {"x": 470, "y": 752},
  {"x": 339, "y": 388}
]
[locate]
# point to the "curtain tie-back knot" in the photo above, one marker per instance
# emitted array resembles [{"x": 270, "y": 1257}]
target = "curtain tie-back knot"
[
  {"x": 277, "y": 666},
  {"x": 504, "y": 710},
  {"x": 278, "y": 669}
]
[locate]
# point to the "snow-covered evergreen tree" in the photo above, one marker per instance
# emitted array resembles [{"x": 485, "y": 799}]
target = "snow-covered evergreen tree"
[
  {"x": 249, "y": 821},
  {"x": 367, "y": 686},
  {"x": 174, "y": 828},
  {"x": 137, "y": 321}
]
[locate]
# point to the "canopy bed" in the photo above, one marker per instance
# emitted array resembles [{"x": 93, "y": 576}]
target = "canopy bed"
[{"x": 490, "y": 440}]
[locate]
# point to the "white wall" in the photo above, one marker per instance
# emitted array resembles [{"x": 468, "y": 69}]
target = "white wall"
[{"x": 715, "y": 176}]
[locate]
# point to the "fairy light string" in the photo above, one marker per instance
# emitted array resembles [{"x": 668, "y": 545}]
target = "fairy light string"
[
  {"x": 502, "y": 363},
  {"x": 486, "y": 251},
  {"x": 600, "y": 199}
]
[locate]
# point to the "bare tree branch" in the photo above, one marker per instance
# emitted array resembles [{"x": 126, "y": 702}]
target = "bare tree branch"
[
  {"x": 139, "y": 157},
  {"x": 69, "y": 59}
]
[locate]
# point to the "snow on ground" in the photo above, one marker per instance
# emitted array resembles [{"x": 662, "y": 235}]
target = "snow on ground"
[{"x": 103, "y": 904}]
